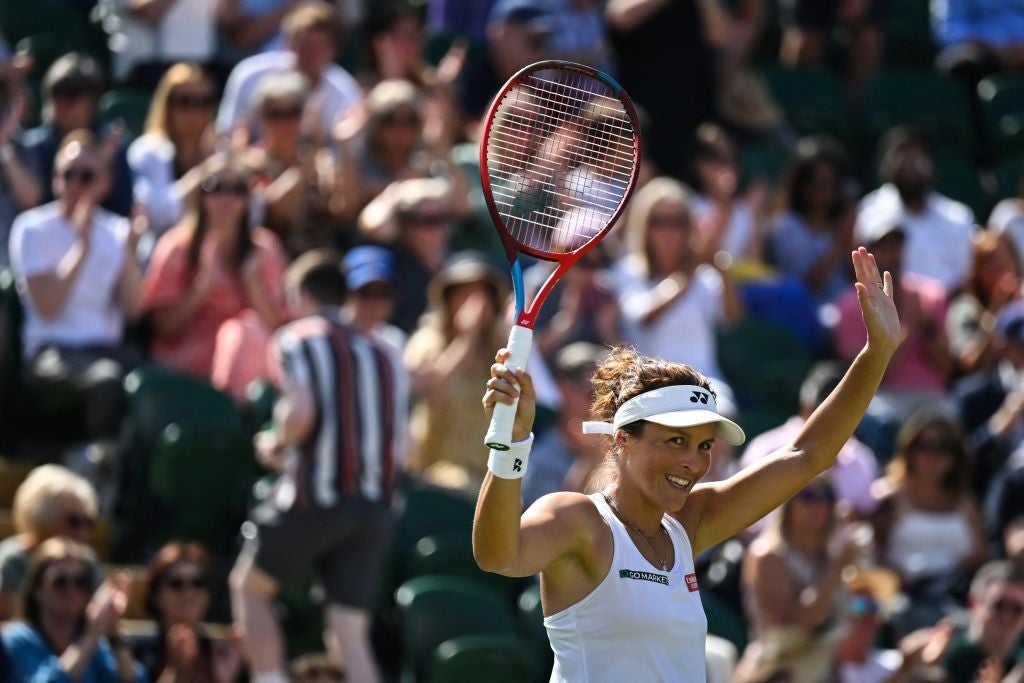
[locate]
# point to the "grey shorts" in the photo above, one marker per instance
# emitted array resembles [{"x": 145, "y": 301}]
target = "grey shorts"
[{"x": 343, "y": 545}]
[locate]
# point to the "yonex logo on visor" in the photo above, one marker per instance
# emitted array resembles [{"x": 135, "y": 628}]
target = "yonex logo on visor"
[{"x": 681, "y": 405}]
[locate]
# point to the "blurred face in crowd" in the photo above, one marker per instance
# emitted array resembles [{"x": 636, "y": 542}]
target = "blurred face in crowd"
[
  {"x": 513, "y": 45},
  {"x": 998, "y": 266},
  {"x": 74, "y": 107},
  {"x": 999, "y": 615},
  {"x": 1013, "y": 541},
  {"x": 820, "y": 187},
  {"x": 863, "y": 623},
  {"x": 76, "y": 170},
  {"x": 399, "y": 131},
  {"x": 282, "y": 120},
  {"x": 64, "y": 590},
  {"x": 184, "y": 594},
  {"x": 190, "y": 109},
  {"x": 717, "y": 173},
  {"x": 77, "y": 522},
  {"x": 403, "y": 42},
  {"x": 888, "y": 253},
  {"x": 669, "y": 235},
  {"x": 461, "y": 294},
  {"x": 314, "y": 51},
  {"x": 913, "y": 172},
  {"x": 224, "y": 194},
  {"x": 425, "y": 230},
  {"x": 374, "y": 302},
  {"x": 930, "y": 456},
  {"x": 812, "y": 509},
  {"x": 575, "y": 390}
]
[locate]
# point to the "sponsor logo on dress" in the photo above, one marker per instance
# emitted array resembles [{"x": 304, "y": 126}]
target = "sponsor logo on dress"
[
  {"x": 691, "y": 582},
  {"x": 643, "y": 576}
]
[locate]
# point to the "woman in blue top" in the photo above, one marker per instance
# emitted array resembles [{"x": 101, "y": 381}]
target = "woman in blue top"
[{"x": 65, "y": 635}]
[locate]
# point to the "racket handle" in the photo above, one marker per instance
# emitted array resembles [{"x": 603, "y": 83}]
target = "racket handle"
[{"x": 499, "y": 434}]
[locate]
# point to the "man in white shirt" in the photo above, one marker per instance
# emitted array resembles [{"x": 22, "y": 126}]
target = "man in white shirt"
[
  {"x": 938, "y": 229},
  {"x": 78, "y": 282},
  {"x": 313, "y": 34}
]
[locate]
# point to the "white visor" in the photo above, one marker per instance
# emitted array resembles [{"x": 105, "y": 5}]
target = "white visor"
[{"x": 680, "y": 405}]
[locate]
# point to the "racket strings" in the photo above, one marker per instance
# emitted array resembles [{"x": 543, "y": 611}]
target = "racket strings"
[{"x": 560, "y": 158}]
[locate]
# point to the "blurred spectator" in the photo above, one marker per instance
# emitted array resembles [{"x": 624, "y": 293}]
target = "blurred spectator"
[
  {"x": 817, "y": 215},
  {"x": 78, "y": 281},
  {"x": 460, "y": 17},
  {"x": 927, "y": 523},
  {"x": 792, "y": 580},
  {"x": 449, "y": 353},
  {"x": 52, "y": 501},
  {"x": 249, "y": 27},
  {"x": 564, "y": 457},
  {"x": 855, "y": 467},
  {"x": 1008, "y": 217},
  {"x": 649, "y": 34},
  {"x": 313, "y": 32},
  {"x": 996, "y": 622},
  {"x": 154, "y": 34},
  {"x": 978, "y": 37},
  {"x": 808, "y": 24},
  {"x": 334, "y": 441},
  {"x": 412, "y": 217},
  {"x": 19, "y": 188},
  {"x": 991, "y": 406},
  {"x": 394, "y": 40},
  {"x": 993, "y": 281},
  {"x": 583, "y": 307},
  {"x": 917, "y": 375},
  {"x": 316, "y": 668},
  {"x": 177, "y": 597},
  {"x": 579, "y": 33},
  {"x": 733, "y": 222},
  {"x": 370, "y": 277},
  {"x": 66, "y": 635},
  {"x": 517, "y": 35},
  {"x": 71, "y": 90},
  {"x": 672, "y": 294},
  {"x": 938, "y": 229},
  {"x": 210, "y": 269},
  {"x": 163, "y": 159},
  {"x": 303, "y": 192}
]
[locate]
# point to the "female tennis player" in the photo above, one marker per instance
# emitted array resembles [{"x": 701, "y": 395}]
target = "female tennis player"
[{"x": 617, "y": 577}]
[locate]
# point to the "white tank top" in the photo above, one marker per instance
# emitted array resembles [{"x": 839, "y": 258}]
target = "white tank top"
[
  {"x": 924, "y": 543},
  {"x": 639, "y": 624}
]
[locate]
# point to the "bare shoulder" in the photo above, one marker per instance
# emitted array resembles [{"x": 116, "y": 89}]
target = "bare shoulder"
[{"x": 567, "y": 507}]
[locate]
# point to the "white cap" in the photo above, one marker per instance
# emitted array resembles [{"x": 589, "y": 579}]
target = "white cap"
[
  {"x": 875, "y": 223},
  {"x": 679, "y": 405}
]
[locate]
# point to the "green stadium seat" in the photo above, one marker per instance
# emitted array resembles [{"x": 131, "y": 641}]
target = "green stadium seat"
[
  {"x": 813, "y": 99},
  {"x": 531, "y": 624},
  {"x": 908, "y": 29},
  {"x": 59, "y": 18},
  {"x": 433, "y": 609},
  {"x": 451, "y": 553},
  {"x": 937, "y": 106},
  {"x": 496, "y": 658},
  {"x": 131, "y": 105},
  {"x": 1002, "y": 99},
  {"x": 723, "y": 621},
  {"x": 10, "y": 359},
  {"x": 1008, "y": 173},
  {"x": 957, "y": 176},
  {"x": 763, "y": 162}
]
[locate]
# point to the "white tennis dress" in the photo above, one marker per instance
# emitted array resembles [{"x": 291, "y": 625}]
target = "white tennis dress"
[{"x": 640, "y": 624}]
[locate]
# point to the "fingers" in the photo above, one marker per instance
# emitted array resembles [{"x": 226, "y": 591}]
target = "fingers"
[{"x": 888, "y": 287}]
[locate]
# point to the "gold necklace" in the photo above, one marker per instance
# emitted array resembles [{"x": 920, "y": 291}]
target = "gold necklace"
[{"x": 647, "y": 540}]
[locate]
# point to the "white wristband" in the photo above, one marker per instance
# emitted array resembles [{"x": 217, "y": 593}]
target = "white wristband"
[{"x": 511, "y": 464}]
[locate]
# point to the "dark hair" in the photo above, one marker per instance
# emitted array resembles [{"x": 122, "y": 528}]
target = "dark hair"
[
  {"x": 47, "y": 554},
  {"x": 958, "y": 478},
  {"x": 166, "y": 558},
  {"x": 74, "y": 70},
  {"x": 243, "y": 245},
  {"x": 317, "y": 274},
  {"x": 811, "y": 152},
  {"x": 1002, "y": 571},
  {"x": 383, "y": 16},
  {"x": 895, "y": 143},
  {"x": 821, "y": 380}
]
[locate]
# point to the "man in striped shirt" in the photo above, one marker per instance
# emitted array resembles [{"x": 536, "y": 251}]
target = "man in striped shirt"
[{"x": 336, "y": 442}]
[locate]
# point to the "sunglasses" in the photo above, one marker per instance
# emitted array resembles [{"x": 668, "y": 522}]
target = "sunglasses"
[
  {"x": 937, "y": 446},
  {"x": 192, "y": 101},
  {"x": 80, "y": 522},
  {"x": 668, "y": 222},
  {"x": 428, "y": 220},
  {"x": 180, "y": 583},
  {"x": 403, "y": 120},
  {"x": 63, "y": 582},
  {"x": 817, "y": 496},
  {"x": 216, "y": 185},
  {"x": 282, "y": 113},
  {"x": 1008, "y": 607},
  {"x": 376, "y": 291},
  {"x": 68, "y": 93},
  {"x": 83, "y": 175}
]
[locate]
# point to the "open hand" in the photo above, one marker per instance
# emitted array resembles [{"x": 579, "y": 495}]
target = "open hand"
[
  {"x": 505, "y": 386},
  {"x": 877, "y": 306}
]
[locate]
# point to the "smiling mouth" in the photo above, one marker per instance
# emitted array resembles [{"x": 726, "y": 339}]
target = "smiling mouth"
[{"x": 678, "y": 482}]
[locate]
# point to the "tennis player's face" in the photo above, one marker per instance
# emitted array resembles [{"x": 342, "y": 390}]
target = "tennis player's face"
[{"x": 666, "y": 462}]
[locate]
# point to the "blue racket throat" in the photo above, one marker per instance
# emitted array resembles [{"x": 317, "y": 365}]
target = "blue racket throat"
[{"x": 517, "y": 287}]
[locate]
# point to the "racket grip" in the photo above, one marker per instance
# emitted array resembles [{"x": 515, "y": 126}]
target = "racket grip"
[{"x": 499, "y": 434}]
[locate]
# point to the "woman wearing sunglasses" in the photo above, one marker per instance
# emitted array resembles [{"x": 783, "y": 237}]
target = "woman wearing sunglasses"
[
  {"x": 212, "y": 269},
  {"x": 69, "y": 632},
  {"x": 178, "y": 598}
]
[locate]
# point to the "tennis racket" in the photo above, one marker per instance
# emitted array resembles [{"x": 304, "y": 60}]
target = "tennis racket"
[{"x": 559, "y": 157}]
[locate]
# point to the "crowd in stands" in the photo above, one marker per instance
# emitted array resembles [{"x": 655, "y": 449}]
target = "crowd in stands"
[{"x": 207, "y": 203}]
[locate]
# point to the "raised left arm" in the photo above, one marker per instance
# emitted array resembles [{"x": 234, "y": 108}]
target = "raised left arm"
[{"x": 720, "y": 510}]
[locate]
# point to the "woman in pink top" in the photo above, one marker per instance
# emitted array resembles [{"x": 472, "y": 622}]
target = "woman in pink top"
[{"x": 213, "y": 271}]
